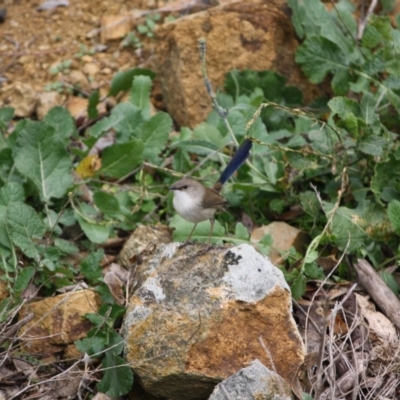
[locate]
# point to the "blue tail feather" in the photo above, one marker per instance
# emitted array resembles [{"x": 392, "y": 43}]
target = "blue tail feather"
[{"x": 237, "y": 160}]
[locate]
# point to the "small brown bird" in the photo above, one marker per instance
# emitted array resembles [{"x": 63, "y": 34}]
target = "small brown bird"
[{"x": 195, "y": 202}]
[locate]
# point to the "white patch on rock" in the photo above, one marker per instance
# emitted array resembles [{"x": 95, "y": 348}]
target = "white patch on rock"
[
  {"x": 252, "y": 275},
  {"x": 138, "y": 314},
  {"x": 152, "y": 285}
]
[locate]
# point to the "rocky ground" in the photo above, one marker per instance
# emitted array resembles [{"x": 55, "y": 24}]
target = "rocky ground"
[{"x": 69, "y": 51}]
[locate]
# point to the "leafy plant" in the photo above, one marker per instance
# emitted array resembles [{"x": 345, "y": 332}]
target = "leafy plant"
[
  {"x": 148, "y": 27},
  {"x": 41, "y": 202},
  {"x": 63, "y": 66},
  {"x": 345, "y": 146}
]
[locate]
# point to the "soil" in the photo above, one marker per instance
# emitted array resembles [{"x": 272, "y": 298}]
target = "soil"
[{"x": 33, "y": 43}]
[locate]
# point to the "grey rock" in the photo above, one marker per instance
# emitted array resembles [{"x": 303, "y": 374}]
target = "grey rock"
[{"x": 253, "y": 382}]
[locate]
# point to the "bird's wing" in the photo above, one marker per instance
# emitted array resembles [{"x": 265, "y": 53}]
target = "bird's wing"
[{"x": 213, "y": 199}]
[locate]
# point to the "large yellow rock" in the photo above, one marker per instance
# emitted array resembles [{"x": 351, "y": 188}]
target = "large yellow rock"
[
  {"x": 58, "y": 321},
  {"x": 252, "y": 34},
  {"x": 197, "y": 318}
]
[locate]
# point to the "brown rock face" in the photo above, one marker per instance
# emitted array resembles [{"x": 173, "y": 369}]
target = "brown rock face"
[
  {"x": 197, "y": 319},
  {"x": 58, "y": 321},
  {"x": 251, "y": 34}
]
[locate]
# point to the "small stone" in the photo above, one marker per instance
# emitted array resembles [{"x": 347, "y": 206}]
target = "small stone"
[
  {"x": 77, "y": 77},
  {"x": 91, "y": 69},
  {"x": 86, "y": 58},
  {"x": 115, "y": 27},
  {"x": 106, "y": 71},
  {"x": 23, "y": 98},
  {"x": 77, "y": 106},
  {"x": 284, "y": 237},
  {"x": 46, "y": 101}
]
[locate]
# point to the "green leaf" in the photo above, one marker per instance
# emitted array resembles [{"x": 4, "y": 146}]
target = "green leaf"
[
  {"x": 200, "y": 147},
  {"x": 125, "y": 118},
  {"x": 298, "y": 287},
  {"x": 201, "y": 233},
  {"x": 154, "y": 134},
  {"x": 92, "y": 105},
  {"x": 91, "y": 266},
  {"x": 24, "y": 226},
  {"x": 123, "y": 80},
  {"x": 10, "y": 193},
  {"x": 349, "y": 227},
  {"x": 107, "y": 204},
  {"x": 118, "y": 376},
  {"x": 61, "y": 120},
  {"x": 140, "y": 94},
  {"x": 23, "y": 279},
  {"x": 394, "y": 215},
  {"x": 42, "y": 157},
  {"x": 96, "y": 233},
  {"x": 241, "y": 232},
  {"x": 318, "y": 56},
  {"x": 120, "y": 159},
  {"x": 372, "y": 145},
  {"x": 6, "y": 115},
  {"x": 391, "y": 282},
  {"x": 5, "y": 241},
  {"x": 209, "y": 133},
  {"x": 66, "y": 246}
]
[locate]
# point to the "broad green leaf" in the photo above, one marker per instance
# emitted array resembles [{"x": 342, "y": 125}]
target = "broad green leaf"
[
  {"x": 43, "y": 158},
  {"x": 107, "y": 204},
  {"x": 66, "y": 246},
  {"x": 120, "y": 159},
  {"x": 318, "y": 56},
  {"x": 341, "y": 105},
  {"x": 91, "y": 266},
  {"x": 6, "y": 115},
  {"x": 241, "y": 232},
  {"x": 154, "y": 134},
  {"x": 200, "y": 147},
  {"x": 93, "y": 345},
  {"x": 394, "y": 215},
  {"x": 92, "y": 105},
  {"x": 118, "y": 376},
  {"x": 10, "y": 193},
  {"x": 349, "y": 227},
  {"x": 96, "y": 233},
  {"x": 126, "y": 118},
  {"x": 140, "y": 94},
  {"x": 368, "y": 111},
  {"x": 372, "y": 145},
  {"x": 23, "y": 279},
  {"x": 201, "y": 233},
  {"x": 298, "y": 287},
  {"x": 24, "y": 226},
  {"x": 5, "y": 241},
  {"x": 61, "y": 120},
  {"x": 123, "y": 80},
  {"x": 209, "y": 133},
  {"x": 385, "y": 182}
]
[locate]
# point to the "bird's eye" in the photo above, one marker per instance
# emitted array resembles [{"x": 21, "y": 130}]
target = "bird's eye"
[{"x": 185, "y": 187}]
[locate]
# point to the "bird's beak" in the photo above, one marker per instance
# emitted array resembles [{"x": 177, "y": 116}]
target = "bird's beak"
[{"x": 172, "y": 188}]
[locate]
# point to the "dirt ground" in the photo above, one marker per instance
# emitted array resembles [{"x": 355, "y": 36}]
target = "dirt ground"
[{"x": 61, "y": 48}]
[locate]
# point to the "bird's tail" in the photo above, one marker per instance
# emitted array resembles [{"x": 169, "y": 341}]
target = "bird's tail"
[{"x": 237, "y": 160}]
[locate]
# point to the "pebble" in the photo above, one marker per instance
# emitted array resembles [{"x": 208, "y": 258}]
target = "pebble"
[
  {"x": 91, "y": 69},
  {"x": 106, "y": 71}
]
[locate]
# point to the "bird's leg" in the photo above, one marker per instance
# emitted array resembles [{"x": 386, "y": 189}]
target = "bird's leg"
[
  {"x": 211, "y": 231},
  {"x": 191, "y": 233}
]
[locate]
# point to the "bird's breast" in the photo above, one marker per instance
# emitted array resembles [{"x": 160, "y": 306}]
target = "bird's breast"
[{"x": 190, "y": 208}]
